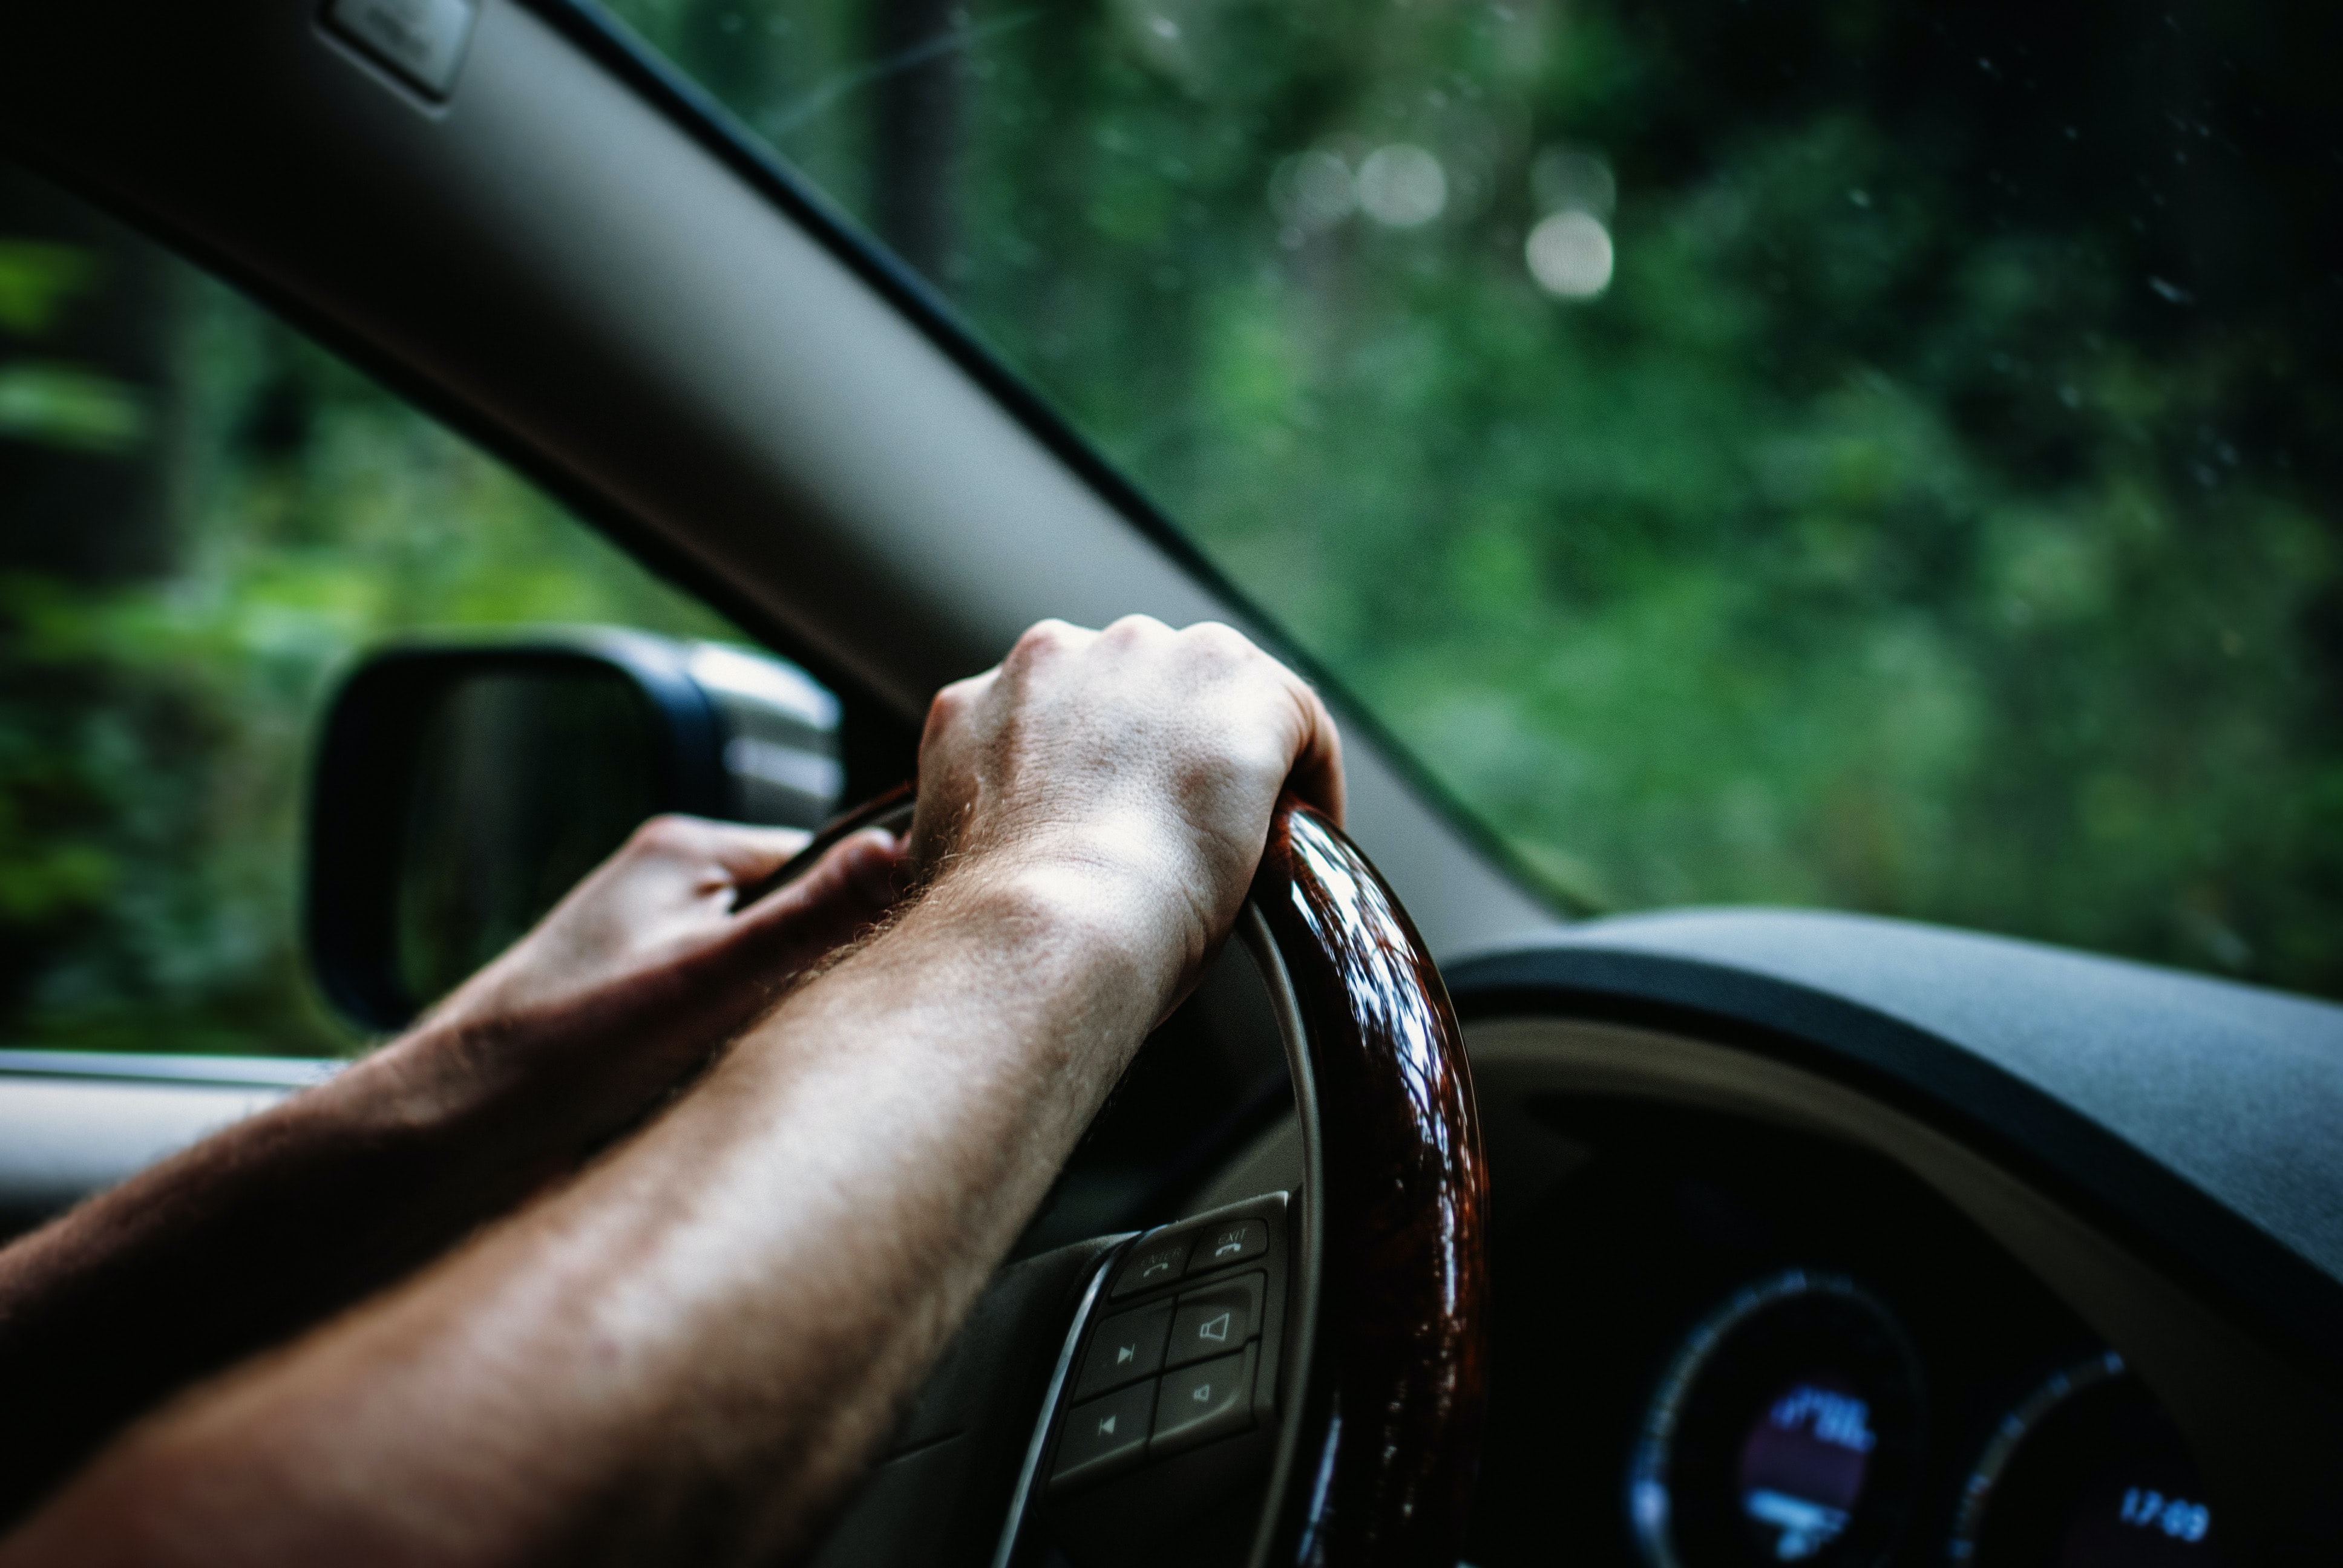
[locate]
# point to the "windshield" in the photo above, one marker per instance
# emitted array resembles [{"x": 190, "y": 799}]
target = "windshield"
[{"x": 1851, "y": 454}]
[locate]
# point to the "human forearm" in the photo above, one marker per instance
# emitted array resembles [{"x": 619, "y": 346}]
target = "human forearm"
[
  {"x": 263, "y": 1229},
  {"x": 687, "y": 1350},
  {"x": 685, "y": 1340},
  {"x": 240, "y": 1241}
]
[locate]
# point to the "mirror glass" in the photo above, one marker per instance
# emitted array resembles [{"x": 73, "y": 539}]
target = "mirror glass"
[{"x": 524, "y": 779}]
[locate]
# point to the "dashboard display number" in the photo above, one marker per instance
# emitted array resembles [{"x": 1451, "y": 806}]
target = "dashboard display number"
[
  {"x": 1786, "y": 1428},
  {"x": 2088, "y": 1472},
  {"x": 1803, "y": 1465},
  {"x": 2176, "y": 1516}
]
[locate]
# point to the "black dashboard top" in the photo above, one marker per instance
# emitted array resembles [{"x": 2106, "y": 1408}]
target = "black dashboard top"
[{"x": 2196, "y": 1117}]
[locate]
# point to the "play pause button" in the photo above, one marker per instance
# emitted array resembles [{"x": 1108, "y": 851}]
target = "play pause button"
[
  {"x": 1125, "y": 1348},
  {"x": 1104, "y": 1435}
]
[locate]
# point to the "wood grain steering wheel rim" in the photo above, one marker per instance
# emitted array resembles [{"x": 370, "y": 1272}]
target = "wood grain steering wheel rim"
[
  {"x": 1374, "y": 1462},
  {"x": 1377, "y": 1464}
]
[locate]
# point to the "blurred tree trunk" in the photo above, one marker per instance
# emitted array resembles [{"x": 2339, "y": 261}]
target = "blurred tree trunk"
[
  {"x": 915, "y": 142},
  {"x": 92, "y": 511}
]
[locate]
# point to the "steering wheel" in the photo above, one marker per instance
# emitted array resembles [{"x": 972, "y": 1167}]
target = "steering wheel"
[{"x": 1359, "y": 1395}]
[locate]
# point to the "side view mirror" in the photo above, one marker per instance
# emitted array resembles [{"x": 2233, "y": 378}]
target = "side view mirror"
[{"x": 462, "y": 787}]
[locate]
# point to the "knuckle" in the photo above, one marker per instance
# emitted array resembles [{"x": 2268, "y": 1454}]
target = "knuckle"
[
  {"x": 1045, "y": 636},
  {"x": 1038, "y": 646},
  {"x": 665, "y": 834},
  {"x": 953, "y": 701},
  {"x": 1224, "y": 643},
  {"x": 1132, "y": 629}
]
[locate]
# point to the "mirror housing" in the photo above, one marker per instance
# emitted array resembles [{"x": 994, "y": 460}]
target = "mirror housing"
[{"x": 461, "y": 787}]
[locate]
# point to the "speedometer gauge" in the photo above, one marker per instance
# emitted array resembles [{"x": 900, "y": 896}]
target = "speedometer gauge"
[
  {"x": 1786, "y": 1428},
  {"x": 2088, "y": 1472}
]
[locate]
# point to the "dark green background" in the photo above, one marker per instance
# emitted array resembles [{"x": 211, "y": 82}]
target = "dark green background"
[{"x": 1936, "y": 515}]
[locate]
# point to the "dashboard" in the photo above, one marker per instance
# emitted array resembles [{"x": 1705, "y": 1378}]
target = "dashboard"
[
  {"x": 1720, "y": 1343},
  {"x": 1791, "y": 1265},
  {"x": 1829, "y": 1241}
]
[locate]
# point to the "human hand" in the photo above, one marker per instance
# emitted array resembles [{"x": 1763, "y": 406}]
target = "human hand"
[
  {"x": 645, "y": 966},
  {"x": 1138, "y": 764}
]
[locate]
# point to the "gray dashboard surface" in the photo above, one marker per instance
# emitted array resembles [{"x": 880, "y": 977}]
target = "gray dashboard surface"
[{"x": 2204, "y": 1116}]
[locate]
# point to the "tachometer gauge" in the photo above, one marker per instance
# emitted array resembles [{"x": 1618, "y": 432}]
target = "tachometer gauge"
[
  {"x": 2087, "y": 1472},
  {"x": 1786, "y": 1428}
]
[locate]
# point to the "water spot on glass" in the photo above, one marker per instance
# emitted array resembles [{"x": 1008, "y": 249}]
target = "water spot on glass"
[
  {"x": 1859, "y": 197},
  {"x": 1164, "y": 28},
  {"x": 2170, "y": 293},
  {"x": 2070, "y": 396}
]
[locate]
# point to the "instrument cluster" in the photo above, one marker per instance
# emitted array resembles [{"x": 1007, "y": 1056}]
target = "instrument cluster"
[{"x": 1724, "y": 1346}]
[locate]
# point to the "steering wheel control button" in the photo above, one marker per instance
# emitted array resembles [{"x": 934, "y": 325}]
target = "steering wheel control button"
[
  {"x": 1204, "y": 1402},
  {"x": 1214, "y": 1322},
  {"x": 1125, "y": 1348},
  {"x": 1104, "y": 1435},
  {"x": 1157, "y": 1263},
  {"x": 1233, "y": 1243}
]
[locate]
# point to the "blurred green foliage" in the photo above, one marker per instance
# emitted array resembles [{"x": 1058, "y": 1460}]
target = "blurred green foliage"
[
  {"x": 1935, "y": 515},
  {"x": 155, "y": 731}
]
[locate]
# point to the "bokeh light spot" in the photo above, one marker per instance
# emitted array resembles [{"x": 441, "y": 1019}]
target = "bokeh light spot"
[
  {"x": 1402, "y": 186},
  {"x": 1570, "y": 255}
]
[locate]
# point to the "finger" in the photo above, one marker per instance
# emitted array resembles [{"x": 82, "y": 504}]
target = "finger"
[
  {"x": 1317, "y": 774},
  {"x": 739, "y": 849},
  {"x": 853, "y": 881},
  {"x": 1315, "y": 770},
  {"x": 948, "y": 739},
  {"x": 751, "y": 854}
]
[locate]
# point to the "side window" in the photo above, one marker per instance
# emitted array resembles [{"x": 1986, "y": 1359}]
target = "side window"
[{"x": 203, "y": 517}]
